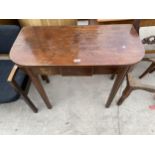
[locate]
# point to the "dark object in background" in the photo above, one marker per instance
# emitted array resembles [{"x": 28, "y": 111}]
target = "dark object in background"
[
  {"x": 8, "y": 34},
  {"x": 7, "y": 93}
]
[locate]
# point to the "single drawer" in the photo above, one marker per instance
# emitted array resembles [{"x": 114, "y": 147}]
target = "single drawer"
[{"x": 85, "y": 71}]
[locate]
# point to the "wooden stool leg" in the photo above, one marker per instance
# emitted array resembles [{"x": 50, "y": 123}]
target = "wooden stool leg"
[
  {"x": 119, "y": 79},
  {"x": 39, "y": 87},
  {"x": 125, "y": 94},
  {"x": 147, "y": 70},
  {"x": 24, "y": 95},
  {"x": 45, "y": 78},
  {"x": 134, "y": 84}
]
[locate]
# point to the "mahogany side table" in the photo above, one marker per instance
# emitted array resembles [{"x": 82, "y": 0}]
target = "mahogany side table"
[{"x": 77, "y": 50}]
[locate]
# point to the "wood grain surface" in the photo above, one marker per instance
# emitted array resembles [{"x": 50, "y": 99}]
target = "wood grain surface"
[{"x": 97, "y": 45}]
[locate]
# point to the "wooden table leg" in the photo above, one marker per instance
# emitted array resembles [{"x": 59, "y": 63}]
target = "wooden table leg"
[
  {"x": 119, "y": 79},
  {"x": 39, "y": 87}
]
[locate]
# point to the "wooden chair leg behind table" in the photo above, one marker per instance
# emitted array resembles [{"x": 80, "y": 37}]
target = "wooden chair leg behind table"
[
  {"x": 148, "y": 70},
  {"x": 133, "y": 84},
  {"x": 23, "y": 93},
  {"x": 39, "y": 87},
  {"x": 45, "y": 78},
  {"x": 119, "y": 79},
  {"x": 151, "y": 71}
]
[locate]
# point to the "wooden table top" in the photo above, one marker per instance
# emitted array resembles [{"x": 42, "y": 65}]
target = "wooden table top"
[{"x": 95, "y": 45}]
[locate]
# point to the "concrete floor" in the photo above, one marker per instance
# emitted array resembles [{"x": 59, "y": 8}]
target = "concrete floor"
[{"x": 78, "y": 108}]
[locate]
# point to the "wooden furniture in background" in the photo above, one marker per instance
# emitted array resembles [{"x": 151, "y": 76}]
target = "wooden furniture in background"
[
  {"x": 149, "y": 41},
  {"x": 72, "y": 50},
  {"x": 146, "y": 23},
  {"x": 134, "y": 84},
  {"x": 18, "y": 79},
  {"x": 110, "y": 21},
  {"x": 23, "y": 92},
  {"x": 150, "y": 69},
  {"x": 9, "y": 22},
  {"x": 47, "y": 22},
  {"x": 114, "y": 21}
]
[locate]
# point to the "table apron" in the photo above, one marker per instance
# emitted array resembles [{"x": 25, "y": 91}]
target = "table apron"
[{"x": 77, "y": 70}]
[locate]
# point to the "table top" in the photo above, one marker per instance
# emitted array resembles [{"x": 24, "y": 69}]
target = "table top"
[{"x": 94, "y": 45}]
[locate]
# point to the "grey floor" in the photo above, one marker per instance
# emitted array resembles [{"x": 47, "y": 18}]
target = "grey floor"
[{"x": 78, "y": 108}]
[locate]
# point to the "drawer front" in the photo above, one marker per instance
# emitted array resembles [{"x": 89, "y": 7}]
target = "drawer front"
[
  {"x": 47, "y": 70},
  {"x": 81, "y": 71},
  {"x": 85, "y": 71}
]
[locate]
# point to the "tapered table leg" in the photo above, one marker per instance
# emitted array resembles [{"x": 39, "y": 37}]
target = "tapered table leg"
[
  {"x": 119, "y": 79},
  {"x": 38, "y": 86}
]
